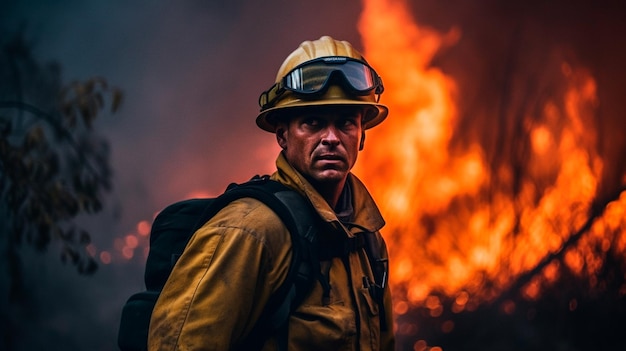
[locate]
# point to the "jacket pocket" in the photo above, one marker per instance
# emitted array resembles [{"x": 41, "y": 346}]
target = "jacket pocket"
[
  {"x": 369, "y": 301},
  {"x": 330, "y": 327}
]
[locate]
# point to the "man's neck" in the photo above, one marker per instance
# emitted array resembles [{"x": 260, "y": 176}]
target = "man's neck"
[{"x": 330, "y": 191}]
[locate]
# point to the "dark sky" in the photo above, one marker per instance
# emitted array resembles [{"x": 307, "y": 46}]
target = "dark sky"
[{"x": 192, "y": 71}]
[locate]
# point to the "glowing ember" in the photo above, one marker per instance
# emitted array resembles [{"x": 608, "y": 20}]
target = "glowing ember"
[
  {"x": 105, "y": 257},
  {"x": 143, "y": 228}
]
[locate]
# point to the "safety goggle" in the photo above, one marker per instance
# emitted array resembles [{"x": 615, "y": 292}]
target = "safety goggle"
[{"x": 313, "y": 77}]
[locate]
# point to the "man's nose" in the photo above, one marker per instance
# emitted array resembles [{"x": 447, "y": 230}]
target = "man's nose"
[{"x": 330, "y": 136}]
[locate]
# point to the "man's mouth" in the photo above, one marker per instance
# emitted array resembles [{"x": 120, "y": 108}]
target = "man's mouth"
[{"x": 330, "y": 157}]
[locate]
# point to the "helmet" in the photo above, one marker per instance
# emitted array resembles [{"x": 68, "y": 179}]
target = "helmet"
[{"x": 310, "y": 76}]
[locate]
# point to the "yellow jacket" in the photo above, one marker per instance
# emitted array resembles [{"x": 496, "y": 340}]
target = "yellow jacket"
[{"x": 234, "y": 263}]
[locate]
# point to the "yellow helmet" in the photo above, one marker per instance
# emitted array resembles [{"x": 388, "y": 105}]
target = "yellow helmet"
[{"x": 320, "y": 73}]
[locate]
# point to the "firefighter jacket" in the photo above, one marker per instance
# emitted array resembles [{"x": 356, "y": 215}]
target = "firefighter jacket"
[{"x": 232, "y": 265}]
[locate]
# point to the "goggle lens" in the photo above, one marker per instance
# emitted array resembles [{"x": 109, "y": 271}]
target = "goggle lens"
[{"x": 312, "y": 77}]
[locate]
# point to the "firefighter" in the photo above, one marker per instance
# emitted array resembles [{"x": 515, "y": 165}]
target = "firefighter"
[{"x": 324, "y": 98}]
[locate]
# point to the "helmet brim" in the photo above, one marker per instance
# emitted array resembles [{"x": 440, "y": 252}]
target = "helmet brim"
[{"x": 374, "y": 113}]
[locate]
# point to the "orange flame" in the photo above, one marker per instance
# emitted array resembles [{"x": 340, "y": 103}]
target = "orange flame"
[{"x": 450, "y": 228}]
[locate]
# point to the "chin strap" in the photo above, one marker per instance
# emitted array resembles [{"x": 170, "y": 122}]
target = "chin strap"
[{"x": 362, "y": 144}]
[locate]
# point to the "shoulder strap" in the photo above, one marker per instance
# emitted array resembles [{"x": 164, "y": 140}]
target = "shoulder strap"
[
  {"x": 275, "y": 195},
  {"x": 379, "y": 266}
]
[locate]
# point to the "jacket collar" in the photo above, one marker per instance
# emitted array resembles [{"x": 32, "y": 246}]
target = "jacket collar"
[{"x": 366, "y": 213}]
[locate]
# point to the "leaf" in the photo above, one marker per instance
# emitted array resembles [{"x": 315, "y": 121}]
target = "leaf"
[
  {"x": 34, "y": 137},
  {"x": 79, "y": 89},
  {"x": 117, "y": 100},
  {"x": 71, "y": 118},
  {"x": 68, "y": 235},
  {"x": 89, "y": 267},
  {"x": 85, "y": 110},
  {"x": 89, "y": 86},
  {"x": 99, "y": 100},
  {"x": 84, "y": 238},
  {"x": 69, "y": 254}
]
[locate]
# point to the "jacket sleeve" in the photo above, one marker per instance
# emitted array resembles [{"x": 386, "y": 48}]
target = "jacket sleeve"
[{"x": 221, "y": 283}]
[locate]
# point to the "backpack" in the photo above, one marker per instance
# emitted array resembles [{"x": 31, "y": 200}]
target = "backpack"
[{"x": 173, "y": 227}]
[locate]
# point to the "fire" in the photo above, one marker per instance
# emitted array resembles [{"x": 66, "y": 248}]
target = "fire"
[{"x": 457, "y": 224}]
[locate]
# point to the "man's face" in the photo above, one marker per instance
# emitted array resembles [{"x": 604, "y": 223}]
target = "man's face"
[{"x": 322, "y": 143}]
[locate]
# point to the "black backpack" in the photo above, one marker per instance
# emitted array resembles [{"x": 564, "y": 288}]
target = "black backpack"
[{"x": 173, "y": 227}]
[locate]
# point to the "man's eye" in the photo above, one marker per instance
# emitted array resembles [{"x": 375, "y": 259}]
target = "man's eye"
[
  {"x": 312, "y": 121},
  {"x": 348, "y": 122}
]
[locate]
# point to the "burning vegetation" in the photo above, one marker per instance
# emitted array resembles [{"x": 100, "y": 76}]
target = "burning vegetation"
[{"x": 505, "y": 216}]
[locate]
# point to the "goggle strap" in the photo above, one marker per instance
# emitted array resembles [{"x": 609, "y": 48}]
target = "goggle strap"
[{"x": 271, "y": 95}]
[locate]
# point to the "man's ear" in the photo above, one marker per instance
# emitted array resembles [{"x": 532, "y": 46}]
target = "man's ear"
[
  {"x": 362, "y": 143},
  {"x": 281, "y": 137}
]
